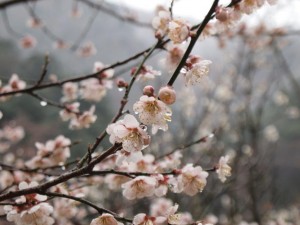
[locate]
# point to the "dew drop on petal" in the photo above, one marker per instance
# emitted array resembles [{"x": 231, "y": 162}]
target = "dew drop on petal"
[
  {"x": 136, "y": 112},
  {"x": 120, "y": 89},
  {"x": 183, "y": 71}
]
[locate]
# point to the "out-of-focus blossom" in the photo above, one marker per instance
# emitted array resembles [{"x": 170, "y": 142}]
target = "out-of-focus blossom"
[
  {"x": 293, "y": 112},
  {"x": 15, "y": 83},
  {"x": 92, "y": 90},
  {"x": 139, "y": 187},
  {"x": 34, "y": 210},
  {"x": 271, "y": 133},
  {"x": 28, "y": 41},
  {"x": 173, "y": 57},
  {"x": 153, "y": 112},
  {"x": 105, "y": 219},
  {"x": 197, "y": 72},
  {"x": 160, "y": 23},
  {"x": 223, "y": 169},
  {"x": 84, "y": 120},
  {"x": 280, "y": 98},
  {"x": 12, "y": 133},
  {"x": 146, "y": 73},
  {"x": 87, "y": 49},
  {"x": 70, "y": 92},
  {"x": 143, "y": 219},
  {"x": 60, "y": 44},
  {"x": 53, "y": 153},
  {"x": 70, "y": 112},
  {"x": 178, "y": 31},
  {"x": 34, "y": 23}
]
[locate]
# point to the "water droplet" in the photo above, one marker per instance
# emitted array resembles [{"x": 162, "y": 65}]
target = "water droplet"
[
  {"x": 136, "y": 112},
  {"x": 144, "y": 127},
  {"x": 120, "y": 89},
  {"x": 63, "y": 168},
  {"x": 183, "y": 71},
  {"x": 211, "y": 135},
  {"x": 43, "y": 103}
]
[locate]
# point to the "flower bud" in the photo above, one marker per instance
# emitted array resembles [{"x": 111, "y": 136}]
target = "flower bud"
[
  {"x": 148, "y": 90},
  {"x": 167, "y": 94},
  {"x": 121, "y": 83}
]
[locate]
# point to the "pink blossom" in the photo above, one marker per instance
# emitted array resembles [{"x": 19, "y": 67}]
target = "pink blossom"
[
  {"x": 197, "y": 72},
  {"x": 28, "y": 42},
  {"x": 92, "y": 90},
  {"x": 15, "y": 83},
  {"x": 33, "y": 211},
  {"x": 54, "y": 152},
  {"x": 129, "y": 133},
  {"x": 84, "y": 120},
  {"x": 160, "y": 23},
  {"x": 191, "y": 180},
  {"x": 87, "y": 49},
  {"x": 146, "y": 73},
  {"x": 105, "y": 219},
  {"x": 224, "y": 169},
  {"x": 153, "y": 112},
  {"x": 70, "y": 112},
  {"x": 139, "y": 187},
  {"x": 178, "y": 31},
  {"x": 143, "y": 219},
  {"x": 70, "y": 92}
]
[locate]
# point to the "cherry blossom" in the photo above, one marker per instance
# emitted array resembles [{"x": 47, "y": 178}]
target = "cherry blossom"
[
  {"x": 197, "y": 72},
  {"x": 143, "y": 219},
  {"x": 33, "y": 209},
  {"x": 160, "y": 23},
  {"x": 70, "y": 111},
  {"x": 105, "y": 219},
  {"x": 173, "y": 57},
  {"x": 223, "y": 169},
  {"x": 146, "y": 73},
  {"x": 54, "y": 152},
  {"x": 129, "y": 133},
  {"x": 191, "y": 180},
  {"x": 28, "y": 41},
  {"x": 15, "y": 83},
  {"x": 153, "y": 112},
  {"x": 139, "y": 187},
  {"x": 179, "y": 31},
  {"x": 92, "y": 90},
  {"x": 84, "y": 120},
  {"x": 87, "y": 49},
  {"x": 70, "y": 92}
]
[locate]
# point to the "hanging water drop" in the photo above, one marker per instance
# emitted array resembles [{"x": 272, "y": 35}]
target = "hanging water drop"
[{"x": 43, "y": 103}]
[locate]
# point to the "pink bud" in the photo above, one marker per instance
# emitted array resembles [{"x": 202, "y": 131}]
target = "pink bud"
[
  {"x": 121, "y": 83},
  {"x": 148, "y": 90},
  {"x": 167, "y": 94}
]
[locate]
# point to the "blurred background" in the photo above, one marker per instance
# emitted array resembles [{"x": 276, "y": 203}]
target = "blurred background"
[{"x": 250, "y": 99}]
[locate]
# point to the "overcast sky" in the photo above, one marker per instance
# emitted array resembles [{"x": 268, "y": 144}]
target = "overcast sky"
[{"x": 278, "y": 15}]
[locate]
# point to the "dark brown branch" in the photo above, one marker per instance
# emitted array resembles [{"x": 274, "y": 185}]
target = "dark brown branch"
[
  {"x": 6, "y": 4},
  {"x": 207, "y": 18},
  {"x": 88, "y": 203},
  {"x": 63, "y": 178}
]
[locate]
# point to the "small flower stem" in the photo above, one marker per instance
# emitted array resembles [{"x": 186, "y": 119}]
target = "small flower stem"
[{"x": 193, "y": 42}]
